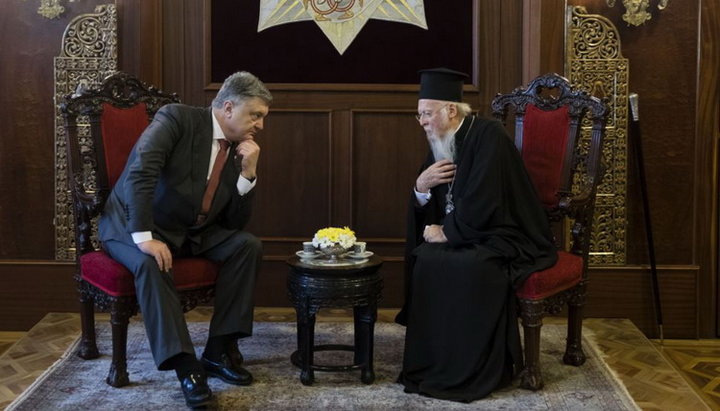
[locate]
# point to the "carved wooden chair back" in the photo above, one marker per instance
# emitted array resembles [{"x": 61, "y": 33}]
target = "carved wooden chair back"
[
  {"x": 102, "y": 126},
  {"x": 566, "y": 170}
]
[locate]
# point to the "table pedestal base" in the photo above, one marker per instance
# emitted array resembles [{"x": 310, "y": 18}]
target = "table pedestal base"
[
  {"x": 367, "y": 375},
  {"x": 312, "y": 288}
]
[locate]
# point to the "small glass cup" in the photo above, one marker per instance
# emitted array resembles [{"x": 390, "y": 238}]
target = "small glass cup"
[
  {"x": 308, "y": 247},
  {"x": 359, "y": 247}
]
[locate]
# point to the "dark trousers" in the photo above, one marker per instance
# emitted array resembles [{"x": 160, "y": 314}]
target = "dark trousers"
[{"x": 160, "y": 304}]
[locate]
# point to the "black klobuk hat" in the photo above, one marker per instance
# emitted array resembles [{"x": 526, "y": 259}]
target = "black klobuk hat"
[{"x": 441, "y": 84}]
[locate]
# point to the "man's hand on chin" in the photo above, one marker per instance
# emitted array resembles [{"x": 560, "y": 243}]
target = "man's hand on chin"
[
  {"x": 159, "y": 251},
  {"x": 434, "y": 234},
  {"x": 248, "y": 153}
]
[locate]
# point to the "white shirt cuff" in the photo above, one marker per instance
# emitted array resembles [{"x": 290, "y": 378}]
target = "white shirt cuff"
[
  {"x": 422, "y": 198},
  {"x": 244, "y": 185},
  {"x": 141, "y": 236}
]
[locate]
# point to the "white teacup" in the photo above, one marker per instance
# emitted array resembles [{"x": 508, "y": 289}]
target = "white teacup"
[{"x": 359, "y": 247}]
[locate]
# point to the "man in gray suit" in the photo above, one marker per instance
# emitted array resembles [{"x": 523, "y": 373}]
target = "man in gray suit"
[{"x": 159, "y": 209}]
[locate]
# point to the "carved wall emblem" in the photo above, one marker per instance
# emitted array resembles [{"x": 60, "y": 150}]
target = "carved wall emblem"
[
  {"x": 333, "y": 10},
  {"x": 340, "y": 20}
]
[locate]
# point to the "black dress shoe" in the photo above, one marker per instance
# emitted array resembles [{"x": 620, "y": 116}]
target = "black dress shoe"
[
  {"x": 196, "y": 391},
  {"x": 235, "y": 356},
  {"x": 226, "y": 371}
]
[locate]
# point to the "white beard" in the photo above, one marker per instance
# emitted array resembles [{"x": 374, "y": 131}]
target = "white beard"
[{"x": 443, "y": 147}]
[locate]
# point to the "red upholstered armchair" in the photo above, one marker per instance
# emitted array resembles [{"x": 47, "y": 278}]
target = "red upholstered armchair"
[
  {"x": 566, "y": 171},
  {"x": 102, "y": 125}
]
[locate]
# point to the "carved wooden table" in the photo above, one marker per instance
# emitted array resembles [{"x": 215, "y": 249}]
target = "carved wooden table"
[{"x": 311, "y": 287}]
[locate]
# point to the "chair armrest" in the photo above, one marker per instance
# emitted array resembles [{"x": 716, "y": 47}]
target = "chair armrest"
[
  {"x": 86, "y": 206},
  {"x": 574, "y": 205},
  {"x": 579, "y": 208}
]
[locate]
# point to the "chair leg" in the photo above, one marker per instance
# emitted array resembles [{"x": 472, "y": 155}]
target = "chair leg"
[
  {"x": 118, "y": 375},
  {"x": 531, "y": 377},
  {"x": 574, "y": 354},
  {"x": 88, "y": 347}
]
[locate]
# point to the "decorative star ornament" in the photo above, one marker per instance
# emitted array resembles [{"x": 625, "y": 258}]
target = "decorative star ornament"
[{"x": 340, "y": 20}]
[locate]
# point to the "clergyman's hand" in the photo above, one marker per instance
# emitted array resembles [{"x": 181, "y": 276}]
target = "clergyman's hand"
[
  {"x": 159, "y": 251},
  {"x": 434, "y": 234},
  {"x": 440, "y": 172},
  {"x": 248, "y": 151}
]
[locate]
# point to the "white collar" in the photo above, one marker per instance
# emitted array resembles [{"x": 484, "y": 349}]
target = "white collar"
[
  {"x": 460, "y": 126},
  {"x": 217, "y": 131}
]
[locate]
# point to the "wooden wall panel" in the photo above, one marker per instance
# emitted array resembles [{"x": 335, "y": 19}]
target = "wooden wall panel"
[
  {"x": 140, "y": 39},
  {"x": 271, "y": 286},
  {"x": 32, "y": 288},
  {"x": 622, "y": 292},
  {"x": 28, "y": 43},
  {"x": 499, "y": 50},
  {"x": 543, "y": 36},
  {"x": 708, "y": 136},
  {"x": 388, "y": 149},
  {"x": 184, "y": 49},
  {"x": 293, "y": 193},
  {"x": 173, "y": 49}
]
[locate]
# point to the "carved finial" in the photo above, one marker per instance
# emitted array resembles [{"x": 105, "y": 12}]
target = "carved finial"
[{"x": 634, "y": 108}]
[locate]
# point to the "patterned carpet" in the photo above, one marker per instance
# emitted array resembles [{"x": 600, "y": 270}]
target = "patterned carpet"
[{"x": 73, "y": 383}]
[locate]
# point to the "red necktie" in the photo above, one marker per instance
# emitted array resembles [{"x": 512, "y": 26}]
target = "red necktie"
[{"x": 214, "y": 181}]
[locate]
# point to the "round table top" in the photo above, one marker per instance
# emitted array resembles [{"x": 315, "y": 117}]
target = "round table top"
[{"x": 373, "y": 262}]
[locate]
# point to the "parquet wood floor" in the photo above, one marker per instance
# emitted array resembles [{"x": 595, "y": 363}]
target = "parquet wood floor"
[
  {"x": 699, "y": 362},
  {"x": 677, "y": 375}
]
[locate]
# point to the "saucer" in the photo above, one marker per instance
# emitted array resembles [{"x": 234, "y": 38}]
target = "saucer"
[
  {"x": 366, "y": 254},
  {"x": 307, "y": 256}
]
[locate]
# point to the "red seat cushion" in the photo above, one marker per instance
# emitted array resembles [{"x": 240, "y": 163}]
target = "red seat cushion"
[
  {"x": 565, "y": 274},
  {"x": 103, "y": 272}
]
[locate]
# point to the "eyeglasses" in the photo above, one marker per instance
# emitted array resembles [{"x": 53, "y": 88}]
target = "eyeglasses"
[{"x": 429, "y": 113}]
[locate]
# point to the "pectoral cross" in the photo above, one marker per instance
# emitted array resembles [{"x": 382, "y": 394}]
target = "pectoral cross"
[{"x": 449, "y": 206}]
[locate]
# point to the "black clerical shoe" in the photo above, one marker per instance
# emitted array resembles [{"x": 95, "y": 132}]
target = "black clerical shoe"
[
  {"x": 226, "y": 370},
  {"x": 196, "y": 391}
]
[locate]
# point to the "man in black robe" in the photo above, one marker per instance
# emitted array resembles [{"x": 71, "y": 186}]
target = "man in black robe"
[{"x": 476, "y": 230}]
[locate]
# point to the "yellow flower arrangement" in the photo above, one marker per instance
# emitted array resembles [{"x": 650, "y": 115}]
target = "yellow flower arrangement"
[{"x": 327, "y": 237}]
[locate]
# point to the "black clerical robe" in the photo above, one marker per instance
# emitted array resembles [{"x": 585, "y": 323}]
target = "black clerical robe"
[{"x": 462, "y": 338}]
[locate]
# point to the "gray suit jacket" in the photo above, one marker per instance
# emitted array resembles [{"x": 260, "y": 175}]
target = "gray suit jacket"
[{"x": 164, "y": 180}]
